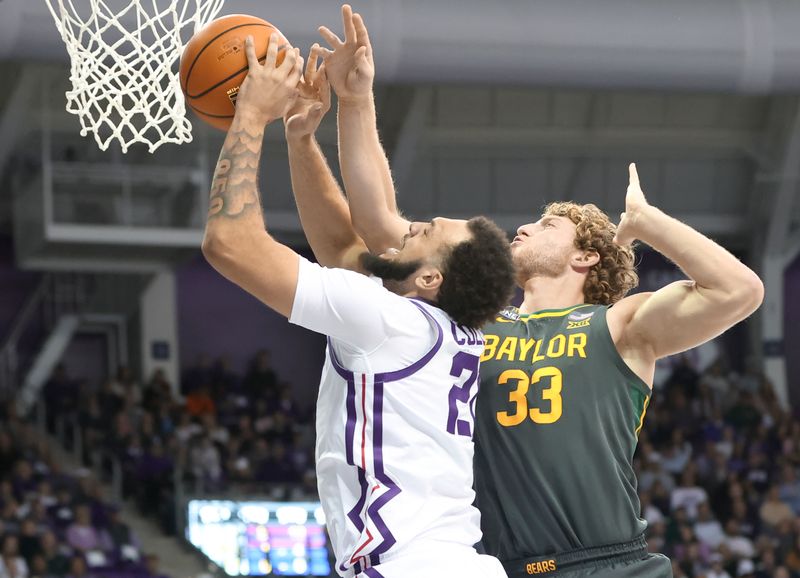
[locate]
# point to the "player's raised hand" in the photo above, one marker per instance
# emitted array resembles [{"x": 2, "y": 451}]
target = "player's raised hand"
[
  {"x": 313, "y": 99},
  {"x": 349, "y": 65},
  {"x": 269, "y": 90},
  {"x": 635, "y": 204}
]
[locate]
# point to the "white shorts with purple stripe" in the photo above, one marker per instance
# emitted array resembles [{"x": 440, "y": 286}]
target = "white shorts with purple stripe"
[{"x": 437, "y": 560}]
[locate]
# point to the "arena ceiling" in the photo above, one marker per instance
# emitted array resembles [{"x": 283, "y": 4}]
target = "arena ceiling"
[{"x": 500, "y": 107}]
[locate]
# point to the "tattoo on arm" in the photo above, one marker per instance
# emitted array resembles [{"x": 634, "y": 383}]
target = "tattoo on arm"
[{"x": 234, "y": 189}]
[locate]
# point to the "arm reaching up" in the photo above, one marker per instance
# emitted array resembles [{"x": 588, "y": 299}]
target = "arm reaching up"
[
  {"x": 322, "y": 207},
  {"x": 235, "y": 242},
  {"x": 365, "y": 169},
  {"x": 721, "y": 291}
]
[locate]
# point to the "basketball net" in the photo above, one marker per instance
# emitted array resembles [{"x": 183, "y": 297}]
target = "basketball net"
[{"x": 123, "y": 84}]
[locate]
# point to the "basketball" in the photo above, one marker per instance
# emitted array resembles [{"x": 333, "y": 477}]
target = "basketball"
[{"x": 214, "y": 65}]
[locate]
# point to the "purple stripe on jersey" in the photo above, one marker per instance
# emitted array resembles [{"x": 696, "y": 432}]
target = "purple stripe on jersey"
[
  {"x": 343, "y": 373},
  {"x": 355, "y": 513},
  {"x": 377, "y": 448},
  {"x": 419, "y": 364},
  {"x": 350, "y": 428}
]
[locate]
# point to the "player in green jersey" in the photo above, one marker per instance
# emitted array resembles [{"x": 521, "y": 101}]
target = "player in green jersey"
[{"x": 566, "y": 378}]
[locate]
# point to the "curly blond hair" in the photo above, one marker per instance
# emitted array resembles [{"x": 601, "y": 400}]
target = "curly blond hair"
[{"x": 615, "y": 274}]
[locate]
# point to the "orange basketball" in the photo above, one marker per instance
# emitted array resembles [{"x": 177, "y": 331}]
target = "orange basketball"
[{"x": 214, "y": 65}]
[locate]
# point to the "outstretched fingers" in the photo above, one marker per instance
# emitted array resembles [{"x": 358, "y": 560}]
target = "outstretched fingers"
[
  {"x": 331, "y": 38},
  {"x": 349, "y": 26},
  {"x": 362, "y": 36},
  {"x": 633, "y": 174},
  {"x": 312, "y": 63}
]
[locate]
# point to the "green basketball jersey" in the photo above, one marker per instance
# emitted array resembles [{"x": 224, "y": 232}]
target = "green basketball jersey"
[{"x": 556, "y": 424}]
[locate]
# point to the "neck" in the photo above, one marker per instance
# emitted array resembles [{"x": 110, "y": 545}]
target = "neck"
[{"x": 550, "y": 293}]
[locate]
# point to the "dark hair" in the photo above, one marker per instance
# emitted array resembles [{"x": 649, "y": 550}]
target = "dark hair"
[{"x": 478, "y": 275}]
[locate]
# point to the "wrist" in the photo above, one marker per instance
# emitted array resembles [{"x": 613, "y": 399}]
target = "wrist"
[
  {"x": 355, "y": 101},
  {"x": 645, "y": 221},
  {"x": 303, "y": 139},
  {"x": 252, "y": 117}
]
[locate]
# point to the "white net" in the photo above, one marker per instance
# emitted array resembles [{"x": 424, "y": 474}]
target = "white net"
[{"x": 124, "y": 83}]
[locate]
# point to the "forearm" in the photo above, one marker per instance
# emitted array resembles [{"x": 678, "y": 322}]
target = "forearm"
[
  {"x": 236, "y": 242},
  {"x": 708, "y": 264},
  {"x": 324, "y": 213},
  {"x": 367, "y": 177},
  {"x": 234, "y": 212}
]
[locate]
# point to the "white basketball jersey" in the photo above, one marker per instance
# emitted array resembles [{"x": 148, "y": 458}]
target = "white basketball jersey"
[{"x": 395, "y": 415}]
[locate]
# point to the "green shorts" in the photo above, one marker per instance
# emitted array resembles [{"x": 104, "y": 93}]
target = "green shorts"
[{"x": 623, "y": 560}]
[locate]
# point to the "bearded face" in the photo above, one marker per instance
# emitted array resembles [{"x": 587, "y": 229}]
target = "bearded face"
[
  {"x": 396, "y": 275},
  {"x": 544, "y": 261}
]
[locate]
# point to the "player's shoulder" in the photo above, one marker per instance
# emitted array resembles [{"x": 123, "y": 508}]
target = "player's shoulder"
[{"x": 507, "y": 315}]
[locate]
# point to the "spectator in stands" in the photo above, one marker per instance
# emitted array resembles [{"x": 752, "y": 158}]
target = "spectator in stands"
[
  {"x": 200, "y": 373},
  {"x": 83, "y": 536},
  {"x": 738, "y": 544},
  {"x": 57, "y": 563},
  {"x": 8, "y": 453},
  {"x": 207, "y": 463},
  {"x": 199, "y": 402},
  {"x": 790, "y": 488},
  {"x": 152, "y": 563},
  {"x": 37, "y": 568},
  {"x": 774, "y": 510},
  {"x": 120, "y": 533},
  {"x": 12, "y": 565},
  {"x": 157, "y": 393},
  {"x": 29, "y": 545},
  {"x": 224, "y": 379},
  {"x": 261, "y": 380},
  {"x": 716, "y": 570},
  {"x": 707, "y": 528},
  {"x": 77, "y": 568},
  {"x": 688, "y": 495}
]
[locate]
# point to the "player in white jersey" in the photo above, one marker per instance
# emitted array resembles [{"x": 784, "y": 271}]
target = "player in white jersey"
[{"x": 394, "y": 419}]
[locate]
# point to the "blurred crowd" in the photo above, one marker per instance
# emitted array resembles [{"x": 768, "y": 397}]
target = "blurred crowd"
[
  {"x": 718, "y": 463},
  {"x": 54, "y": 524},
  {"x": 228, "y": 433}
]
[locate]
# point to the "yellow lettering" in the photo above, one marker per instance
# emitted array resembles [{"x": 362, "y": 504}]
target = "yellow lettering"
[
  {"x": 525, "y": 345},
  {"x": 490, "y": 347},
  {"x": 558, "y": 341},
  {"x": 551, "y": 565},
  {"x": 517, "y": 396},
  {"x": 509, "y": 348},
  {"x": 577, "y": 343},
  {"x": 551, "y": 394},
  {"x": 536, "y": 356}
]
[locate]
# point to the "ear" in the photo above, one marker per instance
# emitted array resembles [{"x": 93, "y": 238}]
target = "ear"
[
  {"x": 585, "y": 259},
  {"x": 428, "y": 280}
]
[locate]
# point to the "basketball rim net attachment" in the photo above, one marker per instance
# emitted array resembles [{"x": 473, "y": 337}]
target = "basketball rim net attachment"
[{"x": 123, "y": 54}]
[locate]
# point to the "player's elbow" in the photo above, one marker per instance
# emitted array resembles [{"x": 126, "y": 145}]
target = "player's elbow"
[
  {"x": 217, "y": 249},
  {"x": 749, "y": 293}
]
